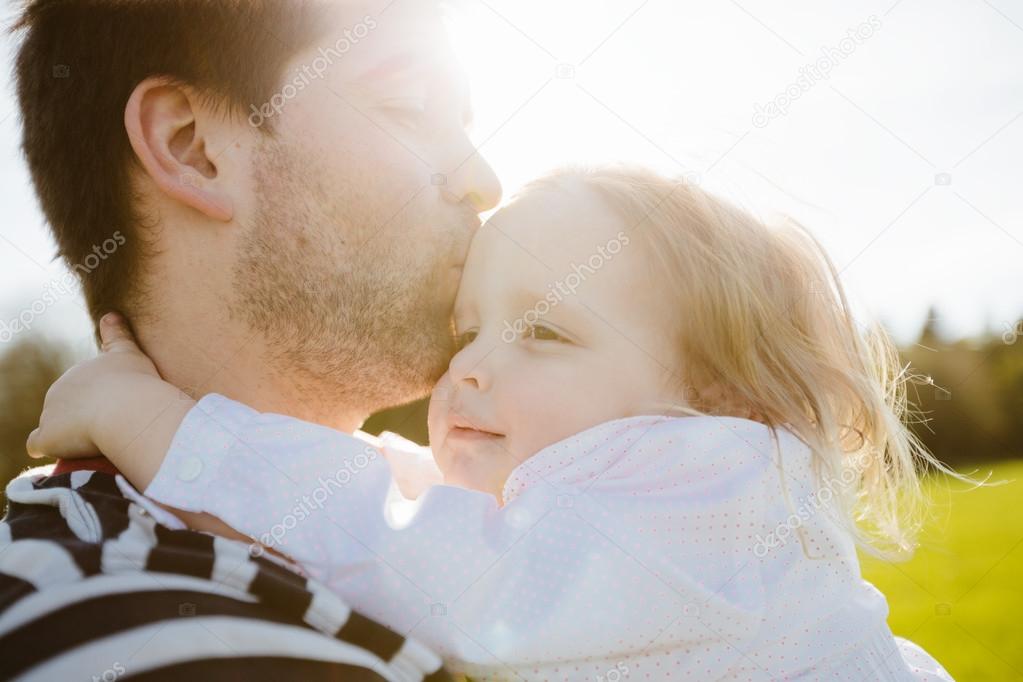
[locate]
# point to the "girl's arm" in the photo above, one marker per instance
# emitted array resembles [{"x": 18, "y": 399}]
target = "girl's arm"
[{"x": 115, "y": 404}]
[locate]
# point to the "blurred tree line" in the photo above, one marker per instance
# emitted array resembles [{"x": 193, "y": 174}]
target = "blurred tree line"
[
  {"x": 28, "y": 365},
  {"x": 973, "y": 402},
  {"x": 968, "y": 395}
]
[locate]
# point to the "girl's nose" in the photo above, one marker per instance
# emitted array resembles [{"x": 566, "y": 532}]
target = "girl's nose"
[{"x": 469, "y": 367}]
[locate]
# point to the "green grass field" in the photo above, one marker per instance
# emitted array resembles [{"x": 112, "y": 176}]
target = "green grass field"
[{"x": 961, "y": 596}]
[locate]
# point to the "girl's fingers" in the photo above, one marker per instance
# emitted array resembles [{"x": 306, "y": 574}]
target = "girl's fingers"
[
  {"x": 32, "y": 445},
  {"x": 114, "y": 332},
  {"x": 58, "y": 445}
]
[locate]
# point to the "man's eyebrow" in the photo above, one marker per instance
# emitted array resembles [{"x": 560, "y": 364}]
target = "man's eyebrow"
[{"x": 393, "y": 66}]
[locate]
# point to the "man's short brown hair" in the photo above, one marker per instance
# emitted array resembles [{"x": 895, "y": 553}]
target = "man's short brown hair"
[{"x": 76, "y": 68}]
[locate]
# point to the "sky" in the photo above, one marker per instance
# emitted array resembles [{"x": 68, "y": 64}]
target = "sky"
[{"x": 892, "y": 130}]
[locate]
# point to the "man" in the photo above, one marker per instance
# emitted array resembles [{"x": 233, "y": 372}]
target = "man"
[{"x": 291, "y": 181}]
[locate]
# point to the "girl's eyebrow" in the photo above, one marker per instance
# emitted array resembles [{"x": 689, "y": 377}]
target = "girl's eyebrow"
[{"x": 556, "y": 307}]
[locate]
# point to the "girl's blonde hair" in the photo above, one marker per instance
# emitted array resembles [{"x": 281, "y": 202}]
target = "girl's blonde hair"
[{"x": 764, "y": 331}]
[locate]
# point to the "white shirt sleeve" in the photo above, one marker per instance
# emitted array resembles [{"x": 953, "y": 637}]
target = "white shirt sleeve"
[{"x": 654, "y": 552}]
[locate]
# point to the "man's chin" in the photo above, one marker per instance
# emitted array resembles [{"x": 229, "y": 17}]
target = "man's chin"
[{"x": 414, "y": 366}]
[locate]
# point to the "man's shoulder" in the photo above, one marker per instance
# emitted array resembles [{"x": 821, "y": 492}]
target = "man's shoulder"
[{"x": 86, "y": 576}]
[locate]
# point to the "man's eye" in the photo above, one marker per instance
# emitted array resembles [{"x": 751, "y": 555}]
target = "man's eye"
[
  {"x": 540, "y": 332},
  {"x": 465, "y": 338},
  {"x": 408, "y": 114}
]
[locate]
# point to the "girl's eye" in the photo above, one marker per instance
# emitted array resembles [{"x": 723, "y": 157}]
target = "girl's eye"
[
  {"x": 465, "y": 338},
  {"x": 540, "y": 332}
]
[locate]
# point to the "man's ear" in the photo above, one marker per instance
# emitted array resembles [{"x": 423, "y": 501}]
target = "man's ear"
[{"x": 170, "y": 132}]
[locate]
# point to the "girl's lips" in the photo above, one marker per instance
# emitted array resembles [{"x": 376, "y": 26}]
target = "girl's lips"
[{"x": 464, "y": 433}]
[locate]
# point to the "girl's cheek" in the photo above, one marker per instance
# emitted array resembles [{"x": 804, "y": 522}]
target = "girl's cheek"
[{"x": 437, "y": 410}]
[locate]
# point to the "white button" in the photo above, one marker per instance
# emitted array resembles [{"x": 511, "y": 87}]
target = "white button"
[
  {"x": 190, "y": 469},
  {"x": 518, "y": 518}
]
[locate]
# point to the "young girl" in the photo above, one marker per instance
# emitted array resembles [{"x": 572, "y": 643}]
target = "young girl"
[{"x": 654, "y": 454}]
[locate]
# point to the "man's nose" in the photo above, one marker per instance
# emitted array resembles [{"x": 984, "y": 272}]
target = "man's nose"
[{"x": 473, "y": 182}]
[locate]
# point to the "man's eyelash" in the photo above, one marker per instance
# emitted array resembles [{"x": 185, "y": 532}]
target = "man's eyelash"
[
  {"x": 407, "y": 112},
  {"x": 404, "y": 103}
]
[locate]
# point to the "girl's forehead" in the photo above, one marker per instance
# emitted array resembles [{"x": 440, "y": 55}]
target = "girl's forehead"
[
  {"x": 567, "y": 242},
  {"x": 559, "y": 227}
]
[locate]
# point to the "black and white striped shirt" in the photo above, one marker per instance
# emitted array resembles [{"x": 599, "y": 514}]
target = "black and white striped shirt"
[{"x": 93, "y": 588}]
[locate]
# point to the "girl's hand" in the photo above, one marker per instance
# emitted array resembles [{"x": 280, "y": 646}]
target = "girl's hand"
[
  {"x": 113, "y": 404},
  {"x": 117, "y": 405}
]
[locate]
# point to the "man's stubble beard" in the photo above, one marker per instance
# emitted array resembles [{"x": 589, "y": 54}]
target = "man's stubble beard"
[{"x": 348, "y": 315}]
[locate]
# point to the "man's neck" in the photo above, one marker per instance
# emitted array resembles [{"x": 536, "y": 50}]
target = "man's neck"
[{"x": 217, "y": 360}]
